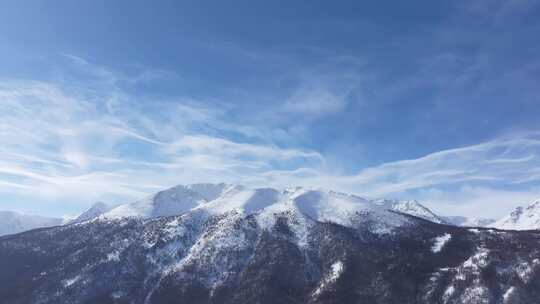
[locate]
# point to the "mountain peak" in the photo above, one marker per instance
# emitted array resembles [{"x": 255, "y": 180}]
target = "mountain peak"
[
  {"x": 99, "y": 205},
  {"x": 521, "y": 218},
  {"x": 317, "y": 204},
  {"x": 97, "y": 209},
  {"x": 411, "y": 207}
]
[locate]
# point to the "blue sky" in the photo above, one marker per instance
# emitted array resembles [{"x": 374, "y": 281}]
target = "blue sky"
[{"x": 112, "y": 100}]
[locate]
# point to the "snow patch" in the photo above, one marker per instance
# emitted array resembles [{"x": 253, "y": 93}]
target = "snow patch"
[
  {"x": 118, "y": 294},
  {"x": 440, "y": 241},
  {"x": 477, "y": 261},
  {"x": 113, "y": 256},
  {"x": 525, "y": 270},
  {"x": 470, "y": 269},
  {"x": 448, "y": 293},
  {"x": 71, "y": 281},
  {"x": 476, "y": 294},
  {"x": 336, "y": 269},
  {"x": 508, "y": 294}
]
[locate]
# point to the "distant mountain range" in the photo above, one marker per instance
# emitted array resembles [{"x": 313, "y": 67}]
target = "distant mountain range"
[
  {"x": 94, "y": 211},
  {"x": 182, "y": 198},
  {"x": 220, "y": 243},
  {"x": 13, "y": 222},
  {"x": 522, "y": 218}
]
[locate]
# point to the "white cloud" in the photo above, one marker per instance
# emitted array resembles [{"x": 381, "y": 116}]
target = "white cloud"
[
  {"x": 505, "y": 160},
  {"x": 69, "y": 144},
  {"x": 455, "y": 181},
  {"x": 477, "y": 201}
]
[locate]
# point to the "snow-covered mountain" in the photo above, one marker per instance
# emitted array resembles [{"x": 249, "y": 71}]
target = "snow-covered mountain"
[
  {"x": 94, "y": 211},
  {"x": 522, "y": 218},
  {"x": 173, "y": 201},
  {"x": 232, "y": 244},
  {"x": 216, "y": 198},
  {"x": 13, "y": 222},
  {"x": 322, "y": 205},
  {"x": 468, "y": 221},
  {"x": 411, "y": 207}
]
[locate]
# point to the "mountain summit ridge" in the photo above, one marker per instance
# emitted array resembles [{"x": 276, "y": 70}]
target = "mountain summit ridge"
[
  {"x": 320, "y": 204},
  {"x": 521, "y": 218},
  {"x": 217, "y": 198}
]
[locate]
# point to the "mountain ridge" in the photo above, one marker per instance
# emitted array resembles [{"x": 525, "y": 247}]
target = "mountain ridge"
[
  {"x": 13, "y": 222},
  {"x": 522, "y": 218},
  {"x": 275, "y": 255},
  {"x": 184, "y": 198},
  {"x": 222, "y": 197}
]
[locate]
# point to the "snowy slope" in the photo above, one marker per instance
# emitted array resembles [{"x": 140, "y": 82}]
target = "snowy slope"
[
  {"x": 521, "y": 218},
  {"x": 411, "y": 207},
  {"x": 12, "y": 222},
  {"x": 94, "y": 211},
  {"x": 173, "y": 201},
  {"x": 314, "y": 204}
]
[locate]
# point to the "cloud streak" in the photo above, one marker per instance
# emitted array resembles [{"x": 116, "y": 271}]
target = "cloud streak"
[
  {"x": 68, "y": 142},
  {"x": 460, "y": 180}
]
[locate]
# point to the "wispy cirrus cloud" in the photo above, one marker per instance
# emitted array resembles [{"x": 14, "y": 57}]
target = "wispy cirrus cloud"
[
  {"x": 66, "y": 141},
  {"x": 493, "y": 176},
  {"x": 76, "y": 141}
]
